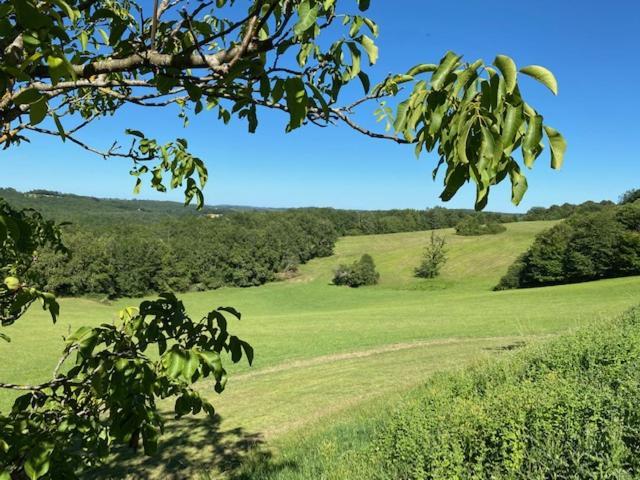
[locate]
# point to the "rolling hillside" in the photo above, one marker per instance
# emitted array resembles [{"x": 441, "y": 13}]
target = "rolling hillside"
[{"x": 325, "y": 353}]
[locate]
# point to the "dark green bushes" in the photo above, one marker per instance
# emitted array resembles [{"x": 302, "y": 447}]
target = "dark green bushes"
[
  {"x": 360, "y": 273},
  {"x": 474, "y": 226},
  {"x": 565, "y": 410},
  {"x": 588, "y": 246}
]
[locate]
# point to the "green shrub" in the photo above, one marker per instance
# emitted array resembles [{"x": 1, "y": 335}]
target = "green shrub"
[
  {"x": 360, "y": 273},
  {"x": 433, "y": 259},
  {"x": 564, "y": 410},
  {"x": 475, "y": 226}
]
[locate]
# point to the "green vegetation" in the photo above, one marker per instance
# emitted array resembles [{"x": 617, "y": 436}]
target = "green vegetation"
[
  {"x": 587, "y": 246},
  {"x": 630, "y": 196},
  {"x": 315, "y": 339},
  {"x": 561, "y": 409},
  {"x": 473, "y": 226},
  {"x": 358, "y": 274},
  {"x": 433, "y": 258},
  {"x": 559, "y": 212},
  {"x": 192, "y": 253}
]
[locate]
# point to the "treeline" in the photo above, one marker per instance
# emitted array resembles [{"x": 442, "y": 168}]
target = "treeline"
[
  {"x": 374, "y": 222},
  {"x": 190, "y": 253},
  {"x": 560, "y": 212},
  {"x": 587, "y": 246},
  {"x": 134, "y": 247}
]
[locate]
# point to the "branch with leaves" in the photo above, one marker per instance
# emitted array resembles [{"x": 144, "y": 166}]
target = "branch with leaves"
[{"x": 72, "y": 60}]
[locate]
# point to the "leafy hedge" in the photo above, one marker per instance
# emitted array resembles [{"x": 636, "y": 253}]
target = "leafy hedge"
[
  {"x": 568, "y": 409},
  {"x": 587, "y": 246}
]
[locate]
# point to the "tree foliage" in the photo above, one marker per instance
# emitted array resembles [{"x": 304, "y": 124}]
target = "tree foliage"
[
  {"x": 587, "y": 246},
  {"x": 243, "y": 249},
  {"x": 630, "y": 196},
  {"x": 68, "y": 63},
  {"x": 359, "y": 274},
  {"x": 433, "y": 258}
]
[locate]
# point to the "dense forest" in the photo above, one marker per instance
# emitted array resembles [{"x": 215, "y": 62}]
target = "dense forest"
[
  {"x": 133, "y": 247},
  {"x": 589, "y": 245}
]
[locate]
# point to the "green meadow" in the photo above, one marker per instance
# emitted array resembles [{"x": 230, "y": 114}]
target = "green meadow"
[{"x": 328, "y": 358}]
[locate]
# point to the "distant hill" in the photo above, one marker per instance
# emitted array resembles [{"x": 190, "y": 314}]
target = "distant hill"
[{"x": 67, "y": 207}]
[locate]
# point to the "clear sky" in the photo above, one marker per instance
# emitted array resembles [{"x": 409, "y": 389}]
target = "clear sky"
[{"x": 592, "y": 47}]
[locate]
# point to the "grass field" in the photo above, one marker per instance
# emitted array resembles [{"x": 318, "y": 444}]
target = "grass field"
[{"x": 326, "y": 355}]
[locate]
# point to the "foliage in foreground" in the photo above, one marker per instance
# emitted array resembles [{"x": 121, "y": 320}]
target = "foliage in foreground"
[
  {"x": 360, "y": 273},
  {"x": 566, "y": 408},
  {"x": 106, "y": 384},
  {"x": 473, "y": 227},
  {"x": 604, "y": 244},
  {"x": 433, "y": 258}
]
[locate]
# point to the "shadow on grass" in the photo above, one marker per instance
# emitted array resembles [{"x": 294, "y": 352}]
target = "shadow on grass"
[
  {"x": 196, "y": 448},
  {"x": 507, "y": 348}
]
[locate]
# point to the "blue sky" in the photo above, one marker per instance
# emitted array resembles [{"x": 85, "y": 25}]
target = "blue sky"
[{"x": 591, "y": 46}]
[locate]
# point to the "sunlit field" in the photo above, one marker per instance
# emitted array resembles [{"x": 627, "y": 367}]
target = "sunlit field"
[{"x": 327, "y": 356}]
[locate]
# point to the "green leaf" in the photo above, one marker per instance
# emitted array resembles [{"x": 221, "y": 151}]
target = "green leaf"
[
  {"x": 462, "y": 141},
  {"x": 512, "y": 122},
  {"x": 509, "y": 71},
  {"x": 296, "y": 101},
  {"x": 174, "y": 362},
  {"x": 371, "y": 49},
  {"x": 447, "y": 65},
  {"x": 307, "y": 17},
  {"x": 37, "y": 463},
  {"x": 558, "y": 147},
  {"x": 531, "y": 142},
  {"x": 38, "y": 111},
  {"x": 366, "y": 83},
  {"x": 59, "y": 126},
  {"x": 543, "y": 75},
  {"x": 317, "y": 94},
  {"x": 27, "y": 96},
  {"x": 422, "y": 68},
  {"x": 190, "y": 365},
  {"x": 518, "y": 184},
  {"x": 84, "y": 40}
]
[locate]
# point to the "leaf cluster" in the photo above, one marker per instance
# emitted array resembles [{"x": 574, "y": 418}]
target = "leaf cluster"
[{"x": 108, "y": 395}]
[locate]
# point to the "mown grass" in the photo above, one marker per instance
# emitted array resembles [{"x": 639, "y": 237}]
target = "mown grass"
[
  {"x": 324, "y": 352},
  {"x": 565, "y": 408}
]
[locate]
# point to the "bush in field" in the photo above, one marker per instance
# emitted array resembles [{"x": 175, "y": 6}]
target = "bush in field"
[
  {"x": 564, "y": 410},
  {"x": 433, "y": 258},
  {"x": 474, "y": 226},
  {"x": 585, "y": 247},
  {"x": 358, "y": 274}
]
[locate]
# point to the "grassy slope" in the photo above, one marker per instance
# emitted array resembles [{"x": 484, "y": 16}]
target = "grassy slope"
[{"x": 322, "y": 350}]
